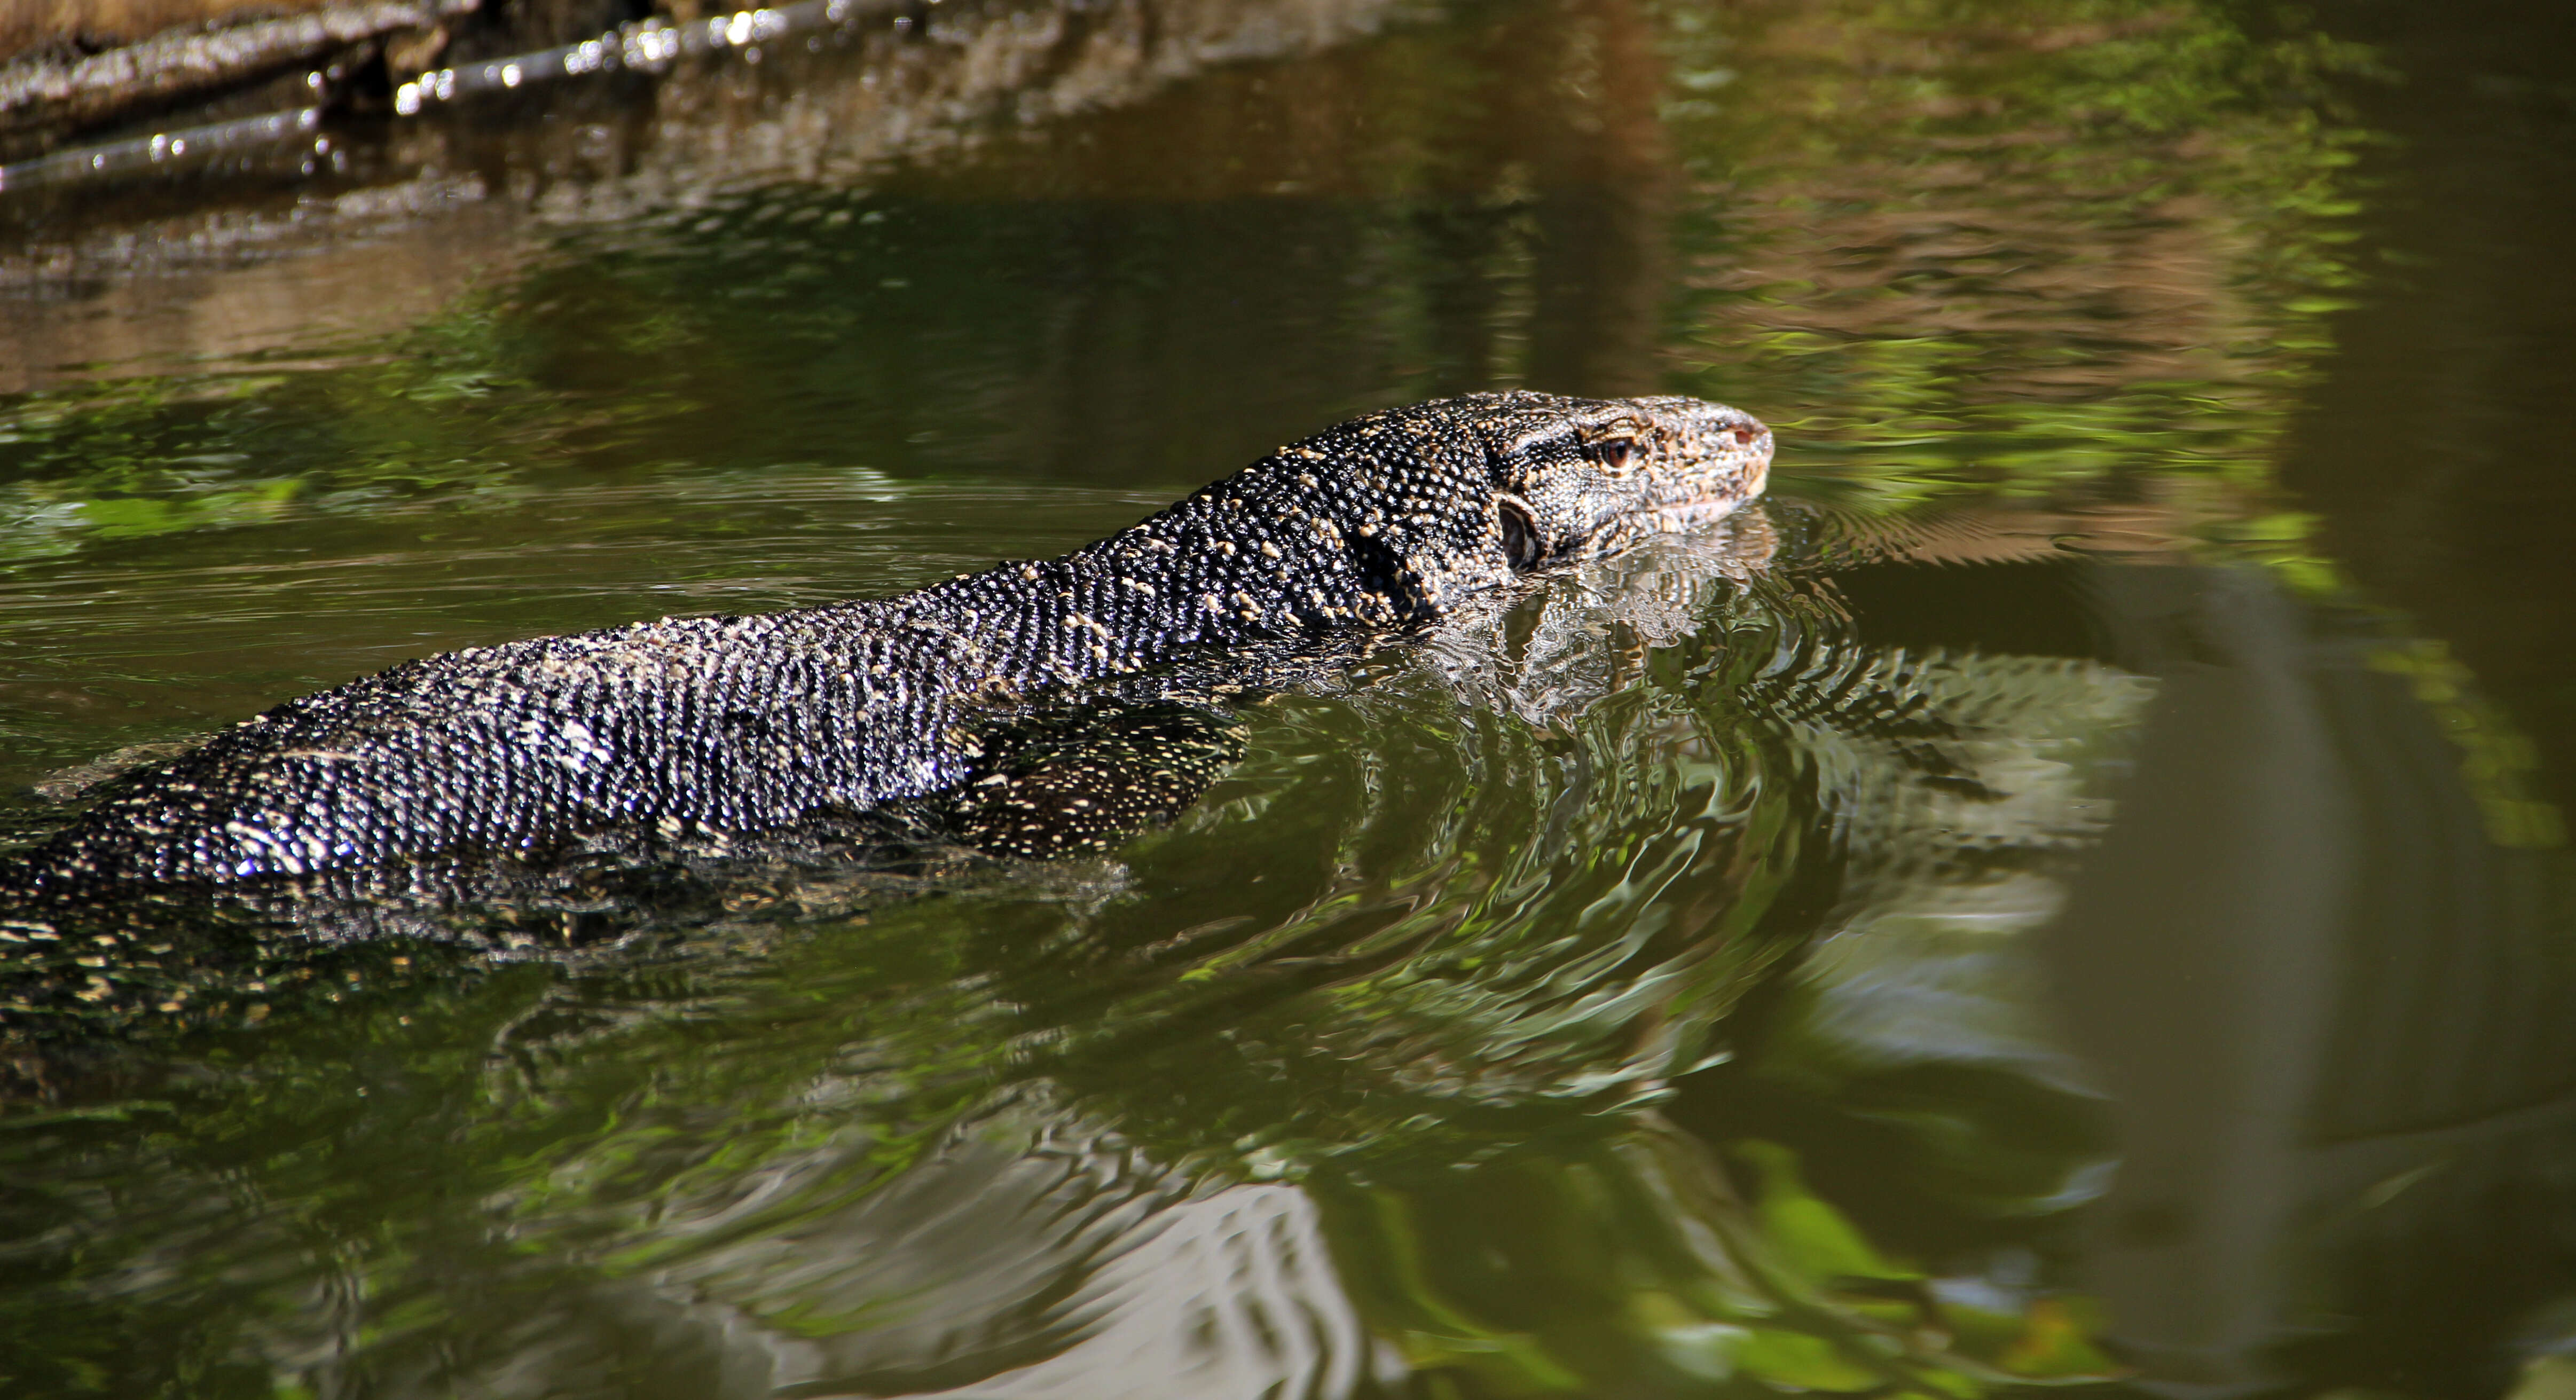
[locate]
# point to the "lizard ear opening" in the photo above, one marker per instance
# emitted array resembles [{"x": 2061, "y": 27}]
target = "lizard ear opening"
[{"x": 1520, "y": 534}]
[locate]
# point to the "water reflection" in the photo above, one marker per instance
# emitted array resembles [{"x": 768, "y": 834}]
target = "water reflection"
[
  {"x": 2321, "y": 964},
  {"x": 1605, "y": 794}
]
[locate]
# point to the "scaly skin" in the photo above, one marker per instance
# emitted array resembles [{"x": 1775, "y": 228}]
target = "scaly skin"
[{"x": 743, "y": 724}]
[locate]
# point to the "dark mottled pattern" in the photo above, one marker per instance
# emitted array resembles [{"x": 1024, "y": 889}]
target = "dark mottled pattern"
[{"x": 738, "y": 724}]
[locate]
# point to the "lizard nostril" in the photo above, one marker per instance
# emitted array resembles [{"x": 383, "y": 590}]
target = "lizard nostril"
[{"x": 1745, "y": 433}]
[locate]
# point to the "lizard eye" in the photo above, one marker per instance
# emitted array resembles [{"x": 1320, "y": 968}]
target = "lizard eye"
[{"x": 1615, "y": 454}]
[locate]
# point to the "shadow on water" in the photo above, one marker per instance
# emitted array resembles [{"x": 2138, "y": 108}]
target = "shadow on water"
[{"x": 2074, "y": 892}]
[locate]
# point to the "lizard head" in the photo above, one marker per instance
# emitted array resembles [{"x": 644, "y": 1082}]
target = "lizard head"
[{"x": 1581, "y": 476}]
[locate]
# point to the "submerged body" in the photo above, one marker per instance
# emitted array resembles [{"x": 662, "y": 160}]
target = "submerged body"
[{"x": 739, "y": 724}]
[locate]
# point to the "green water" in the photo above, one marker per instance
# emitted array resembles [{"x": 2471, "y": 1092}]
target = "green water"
[{"x": 2072, "y": 891}]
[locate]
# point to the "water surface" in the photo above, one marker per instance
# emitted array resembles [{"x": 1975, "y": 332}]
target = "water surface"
[{"x": 2072, "y": 890}]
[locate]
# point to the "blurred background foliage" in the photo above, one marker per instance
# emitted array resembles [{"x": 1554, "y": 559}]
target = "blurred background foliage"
[{"x": 1953, "y": 247}]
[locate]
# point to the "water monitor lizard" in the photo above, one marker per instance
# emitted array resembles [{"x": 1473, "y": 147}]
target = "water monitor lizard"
[{"x": 743, "y": 724}]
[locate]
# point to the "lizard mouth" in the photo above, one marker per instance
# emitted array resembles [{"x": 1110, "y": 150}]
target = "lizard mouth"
[
  {"x": 1752, "y": 472},
  {"x": 1701, "y": 511}
]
